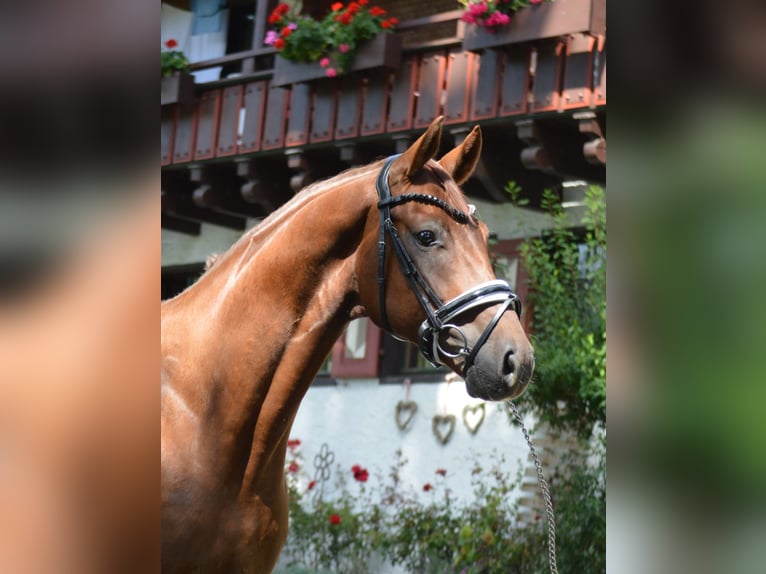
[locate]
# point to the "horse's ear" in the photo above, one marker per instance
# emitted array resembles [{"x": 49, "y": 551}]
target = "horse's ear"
[
  {"x": 461, "y": 161},
  {"x": 426, "y": 146}
]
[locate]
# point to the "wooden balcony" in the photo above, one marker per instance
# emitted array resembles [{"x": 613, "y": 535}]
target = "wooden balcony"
[{"x": 245, "y": 146}]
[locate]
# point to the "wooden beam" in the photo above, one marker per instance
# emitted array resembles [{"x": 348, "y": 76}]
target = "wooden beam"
[
  {"x": 186, "y": 226},
  {"x": 180, "y": 205}
]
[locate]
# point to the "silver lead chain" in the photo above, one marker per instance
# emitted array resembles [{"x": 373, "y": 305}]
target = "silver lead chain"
[{"x": 545, "y": 490}]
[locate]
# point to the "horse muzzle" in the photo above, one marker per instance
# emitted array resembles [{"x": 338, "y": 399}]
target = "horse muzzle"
[{"x": 497, "y": 380}]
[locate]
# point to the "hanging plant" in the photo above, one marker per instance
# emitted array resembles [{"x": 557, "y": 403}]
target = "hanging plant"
[
  {"x": 331, "y": 41},
  {"x": 173, "y": 60},
  {"x": 492, "y": 14}
]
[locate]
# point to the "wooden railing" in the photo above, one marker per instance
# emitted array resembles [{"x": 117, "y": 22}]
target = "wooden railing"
[{"x": 245, "y": 115}]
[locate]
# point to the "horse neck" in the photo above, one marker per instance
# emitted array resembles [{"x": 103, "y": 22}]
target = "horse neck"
[{"x": 266, "y": 315}]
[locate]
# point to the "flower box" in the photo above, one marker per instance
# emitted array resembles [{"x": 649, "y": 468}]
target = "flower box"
[
  {"x": 177, "y": 89},
  {"x": 537, "y": 22},
  {"x": 382, "y": 51}
]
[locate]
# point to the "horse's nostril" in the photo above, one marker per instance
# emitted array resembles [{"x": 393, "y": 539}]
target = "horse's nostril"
[{"x": 509, "y": 364}]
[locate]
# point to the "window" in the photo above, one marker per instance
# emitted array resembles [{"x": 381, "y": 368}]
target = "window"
[
  {"x": 400, "y": 359},
  {"x": 241, "y": 27},
  {"x": 357, "y": 352}
]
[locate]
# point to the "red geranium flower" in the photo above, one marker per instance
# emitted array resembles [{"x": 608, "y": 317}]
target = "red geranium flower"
[
  {"x": 377, "y": 11},
  {"x": 338, "y": 6},
  {"x": 334, "y": 519},
  {"x": 363, "y": 2},
  {"x": 294, "y": 466},
  {"x": 279, "y": 43},
  {"x": 441, "y": 471},
  {"x": 360, "y": 473},
  {"x": 285, "y": 33},
  {"x": 344, "y": 18},
  {"x": 171, "y": 43},
  {"x": 312, "y": 484},
  {"x": 427, "y": 486}
]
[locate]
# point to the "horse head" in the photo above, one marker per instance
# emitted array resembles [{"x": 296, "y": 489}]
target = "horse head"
[{"x": 425, "y": 273}]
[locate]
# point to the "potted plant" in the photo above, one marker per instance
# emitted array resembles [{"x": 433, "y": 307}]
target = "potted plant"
[
  {"x": 176, "y": 84},
  {"x": 349, "y": 38},
  {"x": 493, "y": 23}
]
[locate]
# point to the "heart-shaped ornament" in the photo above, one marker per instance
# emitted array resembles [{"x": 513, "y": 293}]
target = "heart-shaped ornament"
[
  {"x": 443, "y": 427},
  {"x": 473, "y": 417},
  {"x": 405, "y": 410}
]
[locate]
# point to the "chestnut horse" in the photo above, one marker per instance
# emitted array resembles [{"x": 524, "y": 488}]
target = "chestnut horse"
[{"x": 242, "y": 345}]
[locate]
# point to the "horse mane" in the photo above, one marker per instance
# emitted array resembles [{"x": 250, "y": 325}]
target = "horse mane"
[
  {"x": 453, "y": 194},
  {"x": 211, "y": 260}
]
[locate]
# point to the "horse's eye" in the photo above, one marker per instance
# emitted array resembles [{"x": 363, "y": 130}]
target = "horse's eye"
[{"x": 426, "y": 237}]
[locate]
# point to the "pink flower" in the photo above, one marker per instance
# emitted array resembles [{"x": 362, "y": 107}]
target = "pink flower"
[
  {"x": 271, "y": 37},
  {"x": 330, "y": 72},
  {"x": 535, "y": 1},
  {"x": 324, "y": 62},
  {"x": 344, "y": 48},
  {"x": 497, "y": 19}
]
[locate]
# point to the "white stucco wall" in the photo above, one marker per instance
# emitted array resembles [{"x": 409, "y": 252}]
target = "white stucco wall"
[{"x": 357, "y": 421}]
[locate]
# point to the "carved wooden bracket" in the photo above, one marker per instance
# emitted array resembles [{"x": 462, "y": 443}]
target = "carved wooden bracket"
[
  {"x": 351, "y": 155},
  {"x": 594, "y": 149},
  {"x": 535, "y": 155},
  {"x": 255, "y": 191},
  {"x": 299, "y": 163},
  {"x": 216, "y": 190}
]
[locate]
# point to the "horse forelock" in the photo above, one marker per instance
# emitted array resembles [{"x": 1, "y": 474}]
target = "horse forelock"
[{"x": 452, "y": 192}]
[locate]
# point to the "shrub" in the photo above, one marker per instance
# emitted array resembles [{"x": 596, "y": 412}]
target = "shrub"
[{"x": 343, "y": 534}]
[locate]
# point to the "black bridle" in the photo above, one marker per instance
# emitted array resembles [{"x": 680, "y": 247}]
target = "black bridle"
[{"x": 440, "y": 316}]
